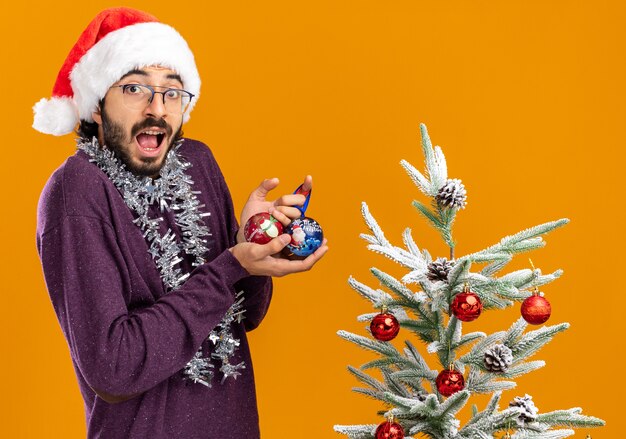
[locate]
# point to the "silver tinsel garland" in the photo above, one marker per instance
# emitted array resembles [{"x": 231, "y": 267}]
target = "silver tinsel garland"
[{"x": 173, "y": 191}]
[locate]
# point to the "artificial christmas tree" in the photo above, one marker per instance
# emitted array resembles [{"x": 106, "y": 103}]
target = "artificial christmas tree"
[{"x": 424, "y": 401}]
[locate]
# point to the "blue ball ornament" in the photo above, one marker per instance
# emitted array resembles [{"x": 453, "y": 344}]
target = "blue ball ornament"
[{"x": 306, "y": 237}]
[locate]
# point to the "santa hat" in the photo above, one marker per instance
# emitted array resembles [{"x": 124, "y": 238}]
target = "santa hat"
[{"x": 117, "y": 41}]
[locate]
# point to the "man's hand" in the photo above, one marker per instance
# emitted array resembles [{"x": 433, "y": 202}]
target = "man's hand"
[
  {"x": 282, "y": 208},
  {"x": 257, "y": 259}
]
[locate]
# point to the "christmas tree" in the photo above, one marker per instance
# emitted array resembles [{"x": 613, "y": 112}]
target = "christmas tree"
[{"x": 424, "y": 402}]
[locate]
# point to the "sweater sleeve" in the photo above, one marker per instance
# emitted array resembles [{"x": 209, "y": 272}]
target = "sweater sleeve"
[
  {"x": 122, "y": 353},
  {"x": 257, "y": 289}
]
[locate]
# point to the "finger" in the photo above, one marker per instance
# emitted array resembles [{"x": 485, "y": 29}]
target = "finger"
[
  {"x": 266, "y": 185},
  {"x": 305, "y": 264},
  {"x": 282, "y": 267},
  {"x": 290, "y": 200},
  {"x": 280, "y": 216},
  {"x": 275, "y": 245},
  {"x": 307, "y": 185},
  {"x": 290, "y": 212}
]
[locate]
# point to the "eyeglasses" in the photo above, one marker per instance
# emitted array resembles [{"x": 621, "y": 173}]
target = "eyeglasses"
[{"x": 139, "y": 96}]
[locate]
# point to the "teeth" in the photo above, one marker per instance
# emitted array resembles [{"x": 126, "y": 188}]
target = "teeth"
[{"x": 152, "y": 133}]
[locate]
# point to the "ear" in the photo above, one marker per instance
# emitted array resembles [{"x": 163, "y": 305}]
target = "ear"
[{"x": 97, "y": 117}]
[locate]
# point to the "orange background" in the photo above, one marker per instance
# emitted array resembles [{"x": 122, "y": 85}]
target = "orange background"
[{"x": 525, "y": 97}]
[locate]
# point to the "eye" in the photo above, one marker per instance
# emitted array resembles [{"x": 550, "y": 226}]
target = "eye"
[
  {"x": 172, "y": 94},
  {"x": 132, "y": 89}
]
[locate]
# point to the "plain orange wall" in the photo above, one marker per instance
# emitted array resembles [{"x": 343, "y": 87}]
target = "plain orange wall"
[{"x": 525, "y": 97}]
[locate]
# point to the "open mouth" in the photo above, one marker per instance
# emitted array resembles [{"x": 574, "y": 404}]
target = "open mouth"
[{"x": 150, "y": 141}]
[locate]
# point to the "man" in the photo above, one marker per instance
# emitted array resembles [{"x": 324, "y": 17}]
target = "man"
[{"x": 147, "y": 269}]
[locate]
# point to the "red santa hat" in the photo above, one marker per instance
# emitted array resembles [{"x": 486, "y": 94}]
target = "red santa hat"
[{"x": 117, "y": 41}]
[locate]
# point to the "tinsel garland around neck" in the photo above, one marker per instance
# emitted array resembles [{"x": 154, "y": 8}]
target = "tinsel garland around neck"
[{"x": 173, "y": 191}]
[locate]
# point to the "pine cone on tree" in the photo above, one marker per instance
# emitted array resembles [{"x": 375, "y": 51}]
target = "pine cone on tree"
[
  {"x": 439, "y": 269},
  {"x": 452, "y": 195},
  {"x": 498, "y": 358},
  {"x": 526, "y": 409}
]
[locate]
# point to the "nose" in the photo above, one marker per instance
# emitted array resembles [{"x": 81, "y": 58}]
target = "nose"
[{"x": 156, "y": 108}]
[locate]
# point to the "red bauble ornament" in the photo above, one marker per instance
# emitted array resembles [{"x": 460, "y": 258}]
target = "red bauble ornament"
[
  {"x": 389, "y": 430},
  {"x": 384, "y": 326},
  {"x": 262, "y": 228},
  {"x": 466, "y": 306},
  {"x": 536, "y": 309},
  {"x": 450, "y": 381}
]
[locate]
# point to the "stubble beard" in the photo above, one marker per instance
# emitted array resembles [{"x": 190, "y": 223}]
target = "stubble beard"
[{"x": 116, "y": 140}]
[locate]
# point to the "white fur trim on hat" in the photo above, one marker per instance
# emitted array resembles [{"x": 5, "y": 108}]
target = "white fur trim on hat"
[
  {"x": 132, "y": 47},
  {"x": 57, "y": 116}
]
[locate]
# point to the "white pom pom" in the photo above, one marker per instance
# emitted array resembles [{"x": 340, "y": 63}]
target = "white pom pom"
[{"x": 56, "y": 116}]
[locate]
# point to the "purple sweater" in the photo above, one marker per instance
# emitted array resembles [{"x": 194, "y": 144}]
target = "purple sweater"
[{"x": 129, "y": 340}]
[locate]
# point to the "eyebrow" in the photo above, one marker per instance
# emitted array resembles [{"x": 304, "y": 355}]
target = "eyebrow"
[
  {"x": 134, "y": 72},
  {"x": 174, "y": 76}
]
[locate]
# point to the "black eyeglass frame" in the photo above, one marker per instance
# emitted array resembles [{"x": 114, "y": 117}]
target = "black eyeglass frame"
[{"x": 153, "y": 91}]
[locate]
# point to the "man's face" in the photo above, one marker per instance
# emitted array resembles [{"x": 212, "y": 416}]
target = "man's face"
[{"x": 140, "y": 137}]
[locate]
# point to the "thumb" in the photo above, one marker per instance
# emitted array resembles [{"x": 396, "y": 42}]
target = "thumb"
[{"x": 277, "y": 244}]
